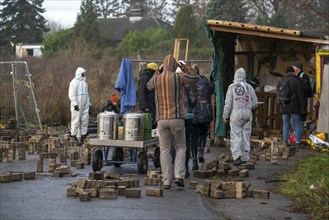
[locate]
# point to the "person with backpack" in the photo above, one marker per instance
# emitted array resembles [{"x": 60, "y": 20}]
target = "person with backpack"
[
  {"x": 240, "y": 100},
  {"x": 290, "y": 95},
  {"x": 306, "y": 84},
  {"x": 202, "y": 112},
  {"x": 191, "y": 130}
]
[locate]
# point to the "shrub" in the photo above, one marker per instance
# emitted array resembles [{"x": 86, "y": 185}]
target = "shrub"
[{"x": 56, "y": 42}]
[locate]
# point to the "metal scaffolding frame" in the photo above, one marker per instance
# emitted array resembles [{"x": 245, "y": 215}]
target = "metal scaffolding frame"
[{"x": 15, "y": 90}]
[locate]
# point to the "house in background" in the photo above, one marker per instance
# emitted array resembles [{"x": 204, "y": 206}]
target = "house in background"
[
  {"x": 24, "y": 50},
  {"x": 114, "y": 29}
]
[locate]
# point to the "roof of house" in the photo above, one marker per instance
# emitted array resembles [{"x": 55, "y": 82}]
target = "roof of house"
[
  {"x": 264, "y": 31},
  {"x": 113, "y": 29}
]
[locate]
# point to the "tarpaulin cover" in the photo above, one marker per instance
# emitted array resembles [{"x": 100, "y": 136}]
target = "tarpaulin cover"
[{"x": 216, "y": 75}]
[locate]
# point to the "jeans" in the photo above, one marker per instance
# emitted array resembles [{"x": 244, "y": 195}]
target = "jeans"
[{"x": 298, "y": 126}]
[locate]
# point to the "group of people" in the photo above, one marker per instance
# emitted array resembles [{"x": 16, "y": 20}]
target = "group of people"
[
  {"x": 183, "y": 112},
  {"x": 179, "y": 99}
]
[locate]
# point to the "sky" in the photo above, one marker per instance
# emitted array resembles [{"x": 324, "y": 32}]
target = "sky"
[{"x": 63, "y": 12}]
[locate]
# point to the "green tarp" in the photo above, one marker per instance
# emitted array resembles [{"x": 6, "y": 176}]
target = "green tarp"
[{"x": 216, "y": 76}]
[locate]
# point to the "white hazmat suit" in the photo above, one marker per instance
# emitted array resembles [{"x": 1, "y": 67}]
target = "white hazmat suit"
[
  {"x": 79, "y": 96},
  {"x": 240, "y": 100}
]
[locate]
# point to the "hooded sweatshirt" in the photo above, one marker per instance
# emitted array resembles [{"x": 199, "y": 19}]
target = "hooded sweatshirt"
[{"x": 169, "y": 89}]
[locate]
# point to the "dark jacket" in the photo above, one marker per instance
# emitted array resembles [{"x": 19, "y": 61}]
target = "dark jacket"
[
  {"x": 188, "y": 105},
  {"x": 110, "y": 107},
  {"x": 305, "y": 83},
  {"x": 145, "y": 97},
  {"x": 297, "y": 104}
]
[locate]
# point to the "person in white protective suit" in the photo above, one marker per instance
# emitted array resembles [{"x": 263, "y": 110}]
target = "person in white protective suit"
[
  {"x": 80, "y": 102},
  {"x": 240, "y": 100}
]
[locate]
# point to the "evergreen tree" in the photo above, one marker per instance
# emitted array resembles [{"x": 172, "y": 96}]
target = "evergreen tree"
[
  {"x": 227, "y": 10},
  {"x": 185, "y": 24},
  {"x": 176, "y": 5},
  {"x": 22, "y": 21},
  {"x": 86, "y": 25}
]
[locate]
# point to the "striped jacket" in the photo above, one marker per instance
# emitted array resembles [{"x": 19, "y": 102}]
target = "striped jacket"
[{"x": 169, "y": 89}]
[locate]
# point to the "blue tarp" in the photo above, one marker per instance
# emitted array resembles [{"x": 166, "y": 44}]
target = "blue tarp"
[{"x": 125, "y": 85}]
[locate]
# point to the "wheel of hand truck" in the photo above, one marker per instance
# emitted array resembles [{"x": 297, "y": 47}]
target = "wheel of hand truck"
[
  {"x": 156, "y": 157},
  {"x": 117, "y": 155},
  {"x": 97, "y": 163},
  {"x": 142, "y": 162}
]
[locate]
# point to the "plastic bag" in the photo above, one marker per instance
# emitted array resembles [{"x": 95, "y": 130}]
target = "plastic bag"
[{"x": 316, "y": 143}]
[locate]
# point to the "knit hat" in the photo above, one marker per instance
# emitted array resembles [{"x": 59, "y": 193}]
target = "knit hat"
[
  {"x": 290, "y": 69},
  {"x": 114, "y": 98},
  {"x": 152, "y": 66},
  {"x": 298, "y": 65}
]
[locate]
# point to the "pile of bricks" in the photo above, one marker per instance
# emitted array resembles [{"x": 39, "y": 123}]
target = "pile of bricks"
[
  {"x": 270, "y": 149},
  {"x": 222, "y": 166},
  {"x": 110, "y": 185},
  {"x": 153, "y": 178},
  {"x": 223, "y": 190},
  {"x": 12, "y": 141},
  {"x": 16, "y": 176},
  {"x": 100, "y": 185}
]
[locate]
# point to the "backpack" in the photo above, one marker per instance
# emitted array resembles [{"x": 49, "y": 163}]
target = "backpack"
[
  {"x": 202, "y": 110},
  {"x": 283, "y": 92}
]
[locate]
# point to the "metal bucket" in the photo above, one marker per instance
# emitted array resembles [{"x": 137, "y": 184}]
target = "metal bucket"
[
  {"x": 107, "y": 126},
  {"x": 133, "y": 127}
]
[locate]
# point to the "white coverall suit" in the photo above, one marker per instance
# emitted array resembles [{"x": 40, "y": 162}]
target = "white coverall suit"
[
  {"x": 78, "y": 94},
  {"x": 240, "y": 100}
]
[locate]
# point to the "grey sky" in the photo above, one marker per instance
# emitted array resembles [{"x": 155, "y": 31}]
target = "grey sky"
[{"x": 63, "y": 12}]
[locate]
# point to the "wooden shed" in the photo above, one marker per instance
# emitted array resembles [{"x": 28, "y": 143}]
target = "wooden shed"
[{"x": 264, "y": 52}]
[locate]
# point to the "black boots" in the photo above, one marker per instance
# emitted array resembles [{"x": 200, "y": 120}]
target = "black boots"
[
  {"x": 195, "y": 164},
  {"x": 237, "y": 161},
  {"x": 74, "y": 138},
  {"x": 83, "y": 137}
]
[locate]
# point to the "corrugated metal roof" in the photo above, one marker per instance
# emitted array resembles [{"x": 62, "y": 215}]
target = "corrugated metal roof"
[{"x": 262, "y": 31}]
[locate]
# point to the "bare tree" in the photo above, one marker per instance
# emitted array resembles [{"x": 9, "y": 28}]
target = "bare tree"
[
  {"x": 53, "y": 27},
  {"x": 312, "y": 15},
  {"x": 107, "y": 8}
]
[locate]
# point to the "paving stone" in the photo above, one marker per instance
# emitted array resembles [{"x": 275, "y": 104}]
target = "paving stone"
[
  {"x": 261, "y": 194},
  {"x": 85, "y": 196},
  {"x": 154, "y": 192},
  {"x": 133, "y": 193}
]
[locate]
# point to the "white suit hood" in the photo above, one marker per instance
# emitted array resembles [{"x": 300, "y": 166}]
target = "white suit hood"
[
  {"x": 240, "y": 75},
  {"x": 78, "y": 73}
]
